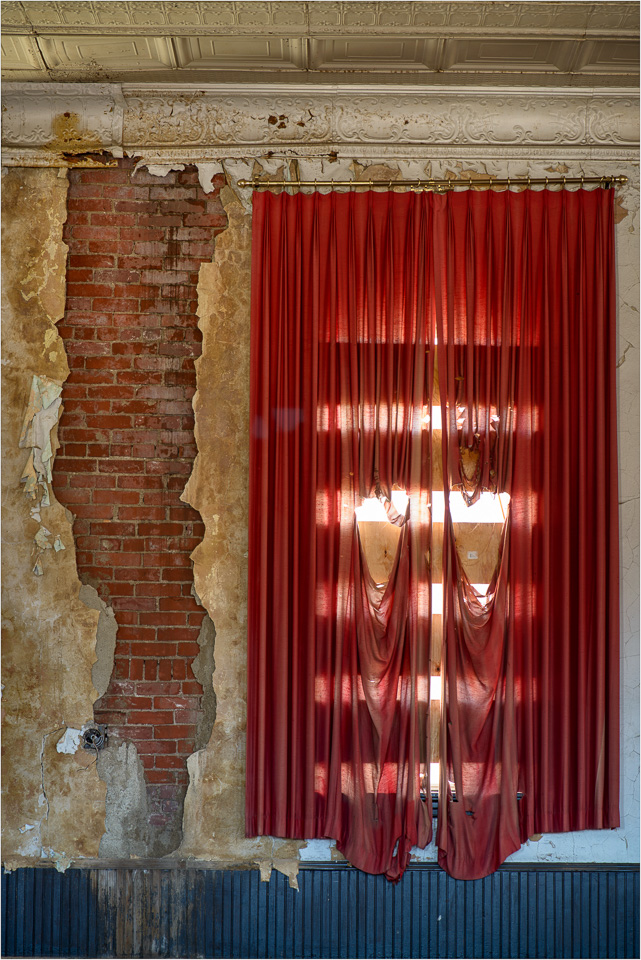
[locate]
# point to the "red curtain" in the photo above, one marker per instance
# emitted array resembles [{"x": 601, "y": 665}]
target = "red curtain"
[{"x": 352, "y": 296}]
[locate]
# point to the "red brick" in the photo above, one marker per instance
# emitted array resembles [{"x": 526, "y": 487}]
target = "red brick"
[
  {"x": 110, "y": 246},
  {"x": 95, "y": 262},
  {"x": 136, "y": 669},
  {"x": 159, "y": 776},
  {"x": 142, "y": 513},
  {"x": 135, "y": 574},
  {"x": 164, "y": 670},
  {"x": 110, "y": 176},
  {"x": 151, "y": 669},
  {"x": 156, "y": 746},
  {"x": 174, "y": 731},
  {"x": 93, "y": 480},
  {"x": 157, "y": 589},
  {"x": 163, "y": 619},
  {"x": 169, "y": 762},
  {"x": 95, "y": 233},
  {"x": 89, "y": 290}
]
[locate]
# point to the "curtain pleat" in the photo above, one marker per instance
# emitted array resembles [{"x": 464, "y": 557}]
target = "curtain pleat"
[{"x": 353, "y": 296}]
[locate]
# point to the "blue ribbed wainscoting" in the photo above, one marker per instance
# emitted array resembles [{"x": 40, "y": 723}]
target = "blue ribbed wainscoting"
[{"x": 186, "y": 911}]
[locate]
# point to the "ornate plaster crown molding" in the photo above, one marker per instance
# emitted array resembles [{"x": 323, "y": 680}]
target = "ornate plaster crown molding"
[{"x": 54, "y": 124}]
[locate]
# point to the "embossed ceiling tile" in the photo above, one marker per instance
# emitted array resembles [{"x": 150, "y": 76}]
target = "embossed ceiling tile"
[
  {"x": 145, "y": 14},
  {"x": 395, "y": 14},
  {"x": 466, "y": 15},
  {"x": 574, "y": 16},
  {"x": 253, "y": 14},
  {"x": 609, "y": 56},
  {"x": 539, "y": 15},
  {"x": 20, "y": 54},
  {"x": 430, "y": 14},
  {"x": 359, "y": 14},
  {"x": 324, "y": 14},
  {"x": 110, "y": 53},
  {"x": 77, "y": 14},
  {"x": 182, "y": 14},
  {"x": 614, "y": 16},
  {"x": 502, "y": 15},
  {"x": 508, "y": 55},
  {"x": 113, "y": 14},
  {"x": 373, "y": 54},
  {"x": 630, "y": 16},
  {"x": 12, "y": 14},
  {"x": 288, "y": 14},
  {"x": 218, "y": 14},
  {"x": 238, "y": 53},
  {"x": 46, "y": 14}
]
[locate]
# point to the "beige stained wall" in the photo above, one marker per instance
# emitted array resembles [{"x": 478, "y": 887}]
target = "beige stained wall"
[{"x": 53, "y": 804}]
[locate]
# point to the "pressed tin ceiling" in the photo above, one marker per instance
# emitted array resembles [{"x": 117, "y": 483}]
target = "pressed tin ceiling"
[{"x": 539, "y": 44}]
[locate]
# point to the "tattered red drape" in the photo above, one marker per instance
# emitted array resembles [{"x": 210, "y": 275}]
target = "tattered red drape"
[{"x": 352, "y": 296}]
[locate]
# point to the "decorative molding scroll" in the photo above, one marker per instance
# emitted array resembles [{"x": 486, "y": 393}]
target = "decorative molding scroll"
[
  {"x": 63, "y": 118},
  {"x": 45, "y": 124}
]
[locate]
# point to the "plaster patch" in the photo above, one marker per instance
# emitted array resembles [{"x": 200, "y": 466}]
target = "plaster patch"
[
  {"x": 69, "y": 741},
  {"x": 106, "y": 631},
  {"x": 127, "y": 830},
  {"x": 203, "y": 667}
]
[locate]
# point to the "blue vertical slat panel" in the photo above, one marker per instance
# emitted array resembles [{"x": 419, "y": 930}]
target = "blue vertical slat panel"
[{"x": 338, "y": 912}]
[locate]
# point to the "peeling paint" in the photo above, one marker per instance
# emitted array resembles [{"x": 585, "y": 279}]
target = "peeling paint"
[
  {"x": 207, "y": 172},
  {"x": 69, "y": 741},
  {"x": 158, "y": 169}
]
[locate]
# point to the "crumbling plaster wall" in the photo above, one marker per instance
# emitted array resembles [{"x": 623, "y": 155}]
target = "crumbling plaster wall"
[
  {"x": 213, "y": 825},
  {"x": 53, "y": 801}
]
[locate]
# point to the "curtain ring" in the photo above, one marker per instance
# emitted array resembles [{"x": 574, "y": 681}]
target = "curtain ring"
[
  {"x": 508, "y": 183},
  {"x": 547, "y": 182},
  {"x": 529, "y": 184},
  {"x": 582, "y": 183},
  {"x": 564, "y": 183}
]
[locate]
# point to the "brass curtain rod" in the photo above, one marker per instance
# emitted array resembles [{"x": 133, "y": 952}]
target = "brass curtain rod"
[{"x": 438, "y": 185}]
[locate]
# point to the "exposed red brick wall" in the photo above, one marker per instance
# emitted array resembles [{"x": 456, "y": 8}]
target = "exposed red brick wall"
[{"x": 127, "y": 446}]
